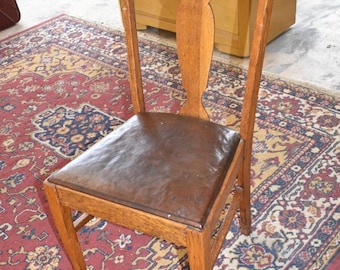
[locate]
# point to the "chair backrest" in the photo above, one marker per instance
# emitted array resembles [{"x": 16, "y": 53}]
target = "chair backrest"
[{"x": 195, "y": 40}]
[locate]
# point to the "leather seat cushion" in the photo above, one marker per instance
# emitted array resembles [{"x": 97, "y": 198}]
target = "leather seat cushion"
[{"x": 165, "y": 164}]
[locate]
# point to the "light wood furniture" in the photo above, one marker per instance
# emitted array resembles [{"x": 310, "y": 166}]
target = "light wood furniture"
[
  {"x": 234, "y": 19},
  {"x": 168, "y": 175}
]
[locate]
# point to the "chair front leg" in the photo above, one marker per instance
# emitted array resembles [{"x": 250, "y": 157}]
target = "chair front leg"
[
  {"x": 198, "y": 245},
  {"x": 63, "y": 221}
]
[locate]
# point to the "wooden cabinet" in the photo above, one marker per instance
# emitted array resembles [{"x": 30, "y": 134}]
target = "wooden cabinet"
[{"x": 234, "y": 20}]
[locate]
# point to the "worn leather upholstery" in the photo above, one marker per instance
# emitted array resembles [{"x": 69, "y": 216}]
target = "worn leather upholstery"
[{"x": 156, "y": 161}]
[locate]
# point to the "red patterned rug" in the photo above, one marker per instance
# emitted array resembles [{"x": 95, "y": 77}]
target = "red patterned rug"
[{"x": 63, "y": 86}]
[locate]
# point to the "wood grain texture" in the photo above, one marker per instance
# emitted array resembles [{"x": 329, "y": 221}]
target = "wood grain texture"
[{"x": 195, "y": 47}]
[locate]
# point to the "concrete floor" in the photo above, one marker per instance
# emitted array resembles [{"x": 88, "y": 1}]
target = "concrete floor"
[{"x": 309, "y": 52}]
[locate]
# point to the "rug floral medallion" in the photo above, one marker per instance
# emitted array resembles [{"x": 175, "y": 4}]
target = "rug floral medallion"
[{"x": 64, "y": 86}]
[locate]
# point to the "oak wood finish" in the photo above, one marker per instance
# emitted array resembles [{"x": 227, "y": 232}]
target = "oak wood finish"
[
  {"x": 77, "y": 187},
  {"x": 234, "y": 20}
]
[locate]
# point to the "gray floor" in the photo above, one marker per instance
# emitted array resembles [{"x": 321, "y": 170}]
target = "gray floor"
[{"x": 309, "y": 52}]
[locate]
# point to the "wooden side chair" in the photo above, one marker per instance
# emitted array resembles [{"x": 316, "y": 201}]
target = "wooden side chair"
[{"x": 167, "y": 175}]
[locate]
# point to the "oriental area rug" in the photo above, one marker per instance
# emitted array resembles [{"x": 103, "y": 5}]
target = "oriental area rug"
[{"x": 64, "y": 85}]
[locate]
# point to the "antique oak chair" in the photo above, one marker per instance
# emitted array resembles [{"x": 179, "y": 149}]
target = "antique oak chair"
[{"x": 167, "y": 175}]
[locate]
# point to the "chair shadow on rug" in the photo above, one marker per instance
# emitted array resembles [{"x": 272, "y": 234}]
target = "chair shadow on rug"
[{"x": 168, "y": 175}]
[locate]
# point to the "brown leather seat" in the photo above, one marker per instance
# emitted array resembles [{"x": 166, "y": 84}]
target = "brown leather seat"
[
  {"x": 168, "y": 175},
  {"x": 149, "y": 165}
]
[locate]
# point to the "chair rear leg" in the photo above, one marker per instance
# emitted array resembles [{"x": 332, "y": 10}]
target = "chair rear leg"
[
  {"x": 63, "y": 221},
  {"x": 245, "y": 207}
]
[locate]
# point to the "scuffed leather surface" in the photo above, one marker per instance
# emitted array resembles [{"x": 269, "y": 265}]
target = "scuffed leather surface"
[{"x": 165, "y": 164}]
